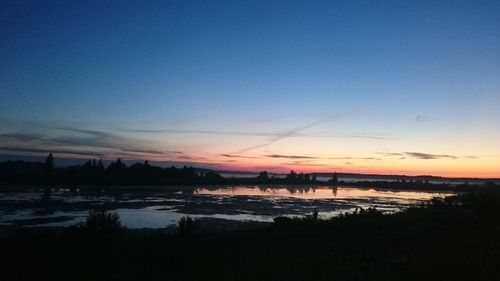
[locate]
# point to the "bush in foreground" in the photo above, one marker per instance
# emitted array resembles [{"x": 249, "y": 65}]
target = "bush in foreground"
[
  {"x": 100, "y": 221},
  {"x": 187, "y": 226}
]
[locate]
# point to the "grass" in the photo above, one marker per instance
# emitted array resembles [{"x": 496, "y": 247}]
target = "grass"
[{"x": 456, "y": 239}]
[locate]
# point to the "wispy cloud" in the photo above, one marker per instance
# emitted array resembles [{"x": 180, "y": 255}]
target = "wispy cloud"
[
  {"x": 299, "y": 163},
  {"x": 421, "y": 155},
  {"x": 390, "y": 153},
  {"x": 261, "y": 134},
  {"x": 422, "y": 118},
  {"x": 96, "y": 134},
  {"x": 238, "y": 156},
  {"x": 354, "y": 158},
  {"x": 20, "y": 137},
  {"x": 145, "y": 151},
  {"x": 77, "y": 141},
  {"x": 470, "y": 157},
  {"x": 291, "y": 132},
  {"x": 51, "y": 150},
  {"x": 205, "y": 132},
  {"x": 289, "y": 156}
]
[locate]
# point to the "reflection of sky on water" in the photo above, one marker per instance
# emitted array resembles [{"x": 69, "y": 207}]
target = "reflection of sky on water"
[
  {"x": 159, "y": 209},
  {"x": 321, "y": 193}
]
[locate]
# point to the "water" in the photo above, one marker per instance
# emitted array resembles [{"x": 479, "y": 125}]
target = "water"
[
  {"x": 158, "y": 208},
  {"x": 318, "y": 193}
]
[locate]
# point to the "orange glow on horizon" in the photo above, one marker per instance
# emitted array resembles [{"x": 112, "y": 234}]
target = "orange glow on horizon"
[{"x": 467, "y": 168}]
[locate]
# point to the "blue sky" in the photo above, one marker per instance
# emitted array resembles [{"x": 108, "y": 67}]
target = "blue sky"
[{"x": 424, "y": 75}]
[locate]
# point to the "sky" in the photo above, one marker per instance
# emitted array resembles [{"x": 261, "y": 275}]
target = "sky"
[{"x": 390, "y": 87}]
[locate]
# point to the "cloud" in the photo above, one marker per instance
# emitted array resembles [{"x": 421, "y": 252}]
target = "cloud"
[
  {"x": 146, "y": 151},
  {"x": 390, "y": 153},
  {"x": 298, "y": 163},
  {"x": 61, "y": 151},
  {"x": 70, "y": 140},
  {"x": 104, "y": 140},
  {"x": 238, "y": 156},
  {"x": 260, "y": 134},
  {"x": 354, "y": 158},
  {"x": 96, "y": 134},
  {"x": 289, "y": 156},
  {"x": 421, "y": 118},
  {"x": 91, "y": 138},
  {"x": 470, "y": 157},
  {"x": 272, "y": 137},
  {"x": 185, "y": 157},
  {"x": 421, "y": 155},
  {"x": 21, "y": 137},
  {"x": 207, "y": 132}
]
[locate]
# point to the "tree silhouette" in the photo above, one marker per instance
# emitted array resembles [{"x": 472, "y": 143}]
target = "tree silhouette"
[
  {"x": 335, "y": 179},
  {"x": 263, "y": 176},
  {"x": 48, "y": 166},
  {"x": 292, "y": 176}
]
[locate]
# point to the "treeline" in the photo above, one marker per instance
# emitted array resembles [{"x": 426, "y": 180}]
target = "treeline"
[
  {"x": 291, "y": 178},
  {"x": 95, "y": 172}
]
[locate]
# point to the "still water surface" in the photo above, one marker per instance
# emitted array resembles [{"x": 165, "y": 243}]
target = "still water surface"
[{"x": 161, "y": 208}]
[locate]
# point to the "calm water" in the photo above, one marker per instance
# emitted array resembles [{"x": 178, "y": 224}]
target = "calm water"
[{"x": 162, "y": 208}]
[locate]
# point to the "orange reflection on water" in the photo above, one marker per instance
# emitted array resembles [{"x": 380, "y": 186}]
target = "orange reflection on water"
[{"x": 321, "y": 192}]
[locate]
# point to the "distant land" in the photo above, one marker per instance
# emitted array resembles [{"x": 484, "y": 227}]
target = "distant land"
[{"x": 371, "y": 177}]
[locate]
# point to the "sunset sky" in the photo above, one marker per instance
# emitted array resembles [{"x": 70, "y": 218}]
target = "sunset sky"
[{"x": 393, "y": 87}]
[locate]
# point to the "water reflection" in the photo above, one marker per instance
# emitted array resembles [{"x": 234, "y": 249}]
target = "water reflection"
[
  {"x": 320, "y": 192},
  {"x": 161, "y": 208}
]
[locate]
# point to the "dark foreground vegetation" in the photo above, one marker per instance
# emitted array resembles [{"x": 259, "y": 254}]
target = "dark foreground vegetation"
[{"x": 453, "y": 239}]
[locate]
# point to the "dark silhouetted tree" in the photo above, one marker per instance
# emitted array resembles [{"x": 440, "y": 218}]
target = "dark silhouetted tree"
[
  {"x": 100, "y": 166},
  {"x": 335, "y": 179},
  {"x": 49, "y": 164},
  {"x": 292, "y": 177},
  {"x": 263, "y": 176}
]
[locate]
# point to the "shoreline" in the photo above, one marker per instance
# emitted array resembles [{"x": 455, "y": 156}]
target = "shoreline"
[{"x": 385, "y": 185}]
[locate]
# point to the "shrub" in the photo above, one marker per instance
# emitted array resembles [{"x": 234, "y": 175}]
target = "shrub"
[
  {"x": 187, "y": 226},
  {"x": 100, "y": 221},
  {"x": 282, "y": 220}
]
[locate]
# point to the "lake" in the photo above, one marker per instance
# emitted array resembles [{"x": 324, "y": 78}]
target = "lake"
[{"x": 159, "y": 208}]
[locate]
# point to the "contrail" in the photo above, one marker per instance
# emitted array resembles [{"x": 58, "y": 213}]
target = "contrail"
[{"x": 292, "y": 132}]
